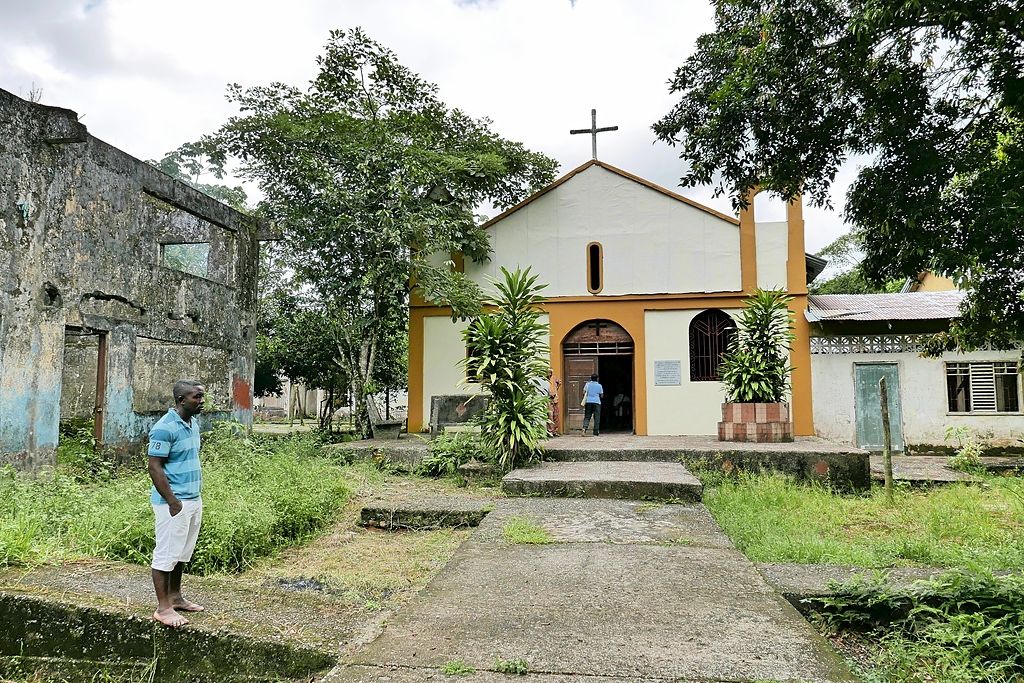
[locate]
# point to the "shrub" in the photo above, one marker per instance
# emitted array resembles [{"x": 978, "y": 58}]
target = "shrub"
[
  {"x": 448, "y": 451},
  {"x": 756, "y": 367},
  {"x": 507, "y": 355},
  {"x": 258, "y": 496},
  {"x": 961, "y": 626},
  {"x": 968, "y": 450}
]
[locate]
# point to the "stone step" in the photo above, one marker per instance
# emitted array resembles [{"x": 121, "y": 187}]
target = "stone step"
[{"x": 605, "y": 479}]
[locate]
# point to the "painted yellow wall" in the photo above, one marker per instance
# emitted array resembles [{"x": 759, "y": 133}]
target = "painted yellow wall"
[{"x": 930, "y": 282}]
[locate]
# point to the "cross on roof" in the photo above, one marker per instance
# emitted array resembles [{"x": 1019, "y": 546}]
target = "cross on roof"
[{"x": 593, "y": 130}]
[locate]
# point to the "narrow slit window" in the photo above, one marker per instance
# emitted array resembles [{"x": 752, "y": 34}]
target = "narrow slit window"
[{"x": 595, "y": 267}]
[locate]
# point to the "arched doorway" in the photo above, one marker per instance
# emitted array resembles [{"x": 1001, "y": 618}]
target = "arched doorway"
[{"x": 604, "y": 348}]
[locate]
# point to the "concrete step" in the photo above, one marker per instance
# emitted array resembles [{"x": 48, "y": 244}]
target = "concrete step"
[{"x": 605, "y": 479}]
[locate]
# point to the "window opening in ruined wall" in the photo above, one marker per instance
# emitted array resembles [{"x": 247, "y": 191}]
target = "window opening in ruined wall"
[
  {"x": 193, "y": 259},
  {"x": 710, "y": 334}
]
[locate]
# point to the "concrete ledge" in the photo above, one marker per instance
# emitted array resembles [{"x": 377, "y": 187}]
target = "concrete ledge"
[
  {"x": 800, "y": 582},
  {"x": 847, "y": 471},
  {"x": 59, "y": 636},
  {"x": 623, "y": 480},
  {"x": 806, "y": 458},
  {"x": 405, "y": 453},
  {"x": 424, "y": 513}
]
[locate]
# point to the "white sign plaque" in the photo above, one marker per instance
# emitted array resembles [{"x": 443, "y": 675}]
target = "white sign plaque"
[{"x": 668, "y": 373}]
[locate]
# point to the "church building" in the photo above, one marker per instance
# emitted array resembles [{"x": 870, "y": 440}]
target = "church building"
[{"x": 643, "y": 285}]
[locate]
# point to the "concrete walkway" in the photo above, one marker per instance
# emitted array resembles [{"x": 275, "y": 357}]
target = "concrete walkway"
[
  {"x": 933, "y": 469},
  {"x": 626, "y": 591}
]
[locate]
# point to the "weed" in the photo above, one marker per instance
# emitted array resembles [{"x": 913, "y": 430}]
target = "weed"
[
  {"x": 448, "y": 451},
  {"x": 518, "y": 667},
  {"x": 258, "y": 496},
  {"x": 961, "y": 626},
  {"x": 968, "y": 450},
  {"x": 457, "y": 667},
  {"x": 524, "y": 531}
]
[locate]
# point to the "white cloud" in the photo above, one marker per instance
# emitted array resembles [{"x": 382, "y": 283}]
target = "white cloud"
[{"x": 148, "y": 76}]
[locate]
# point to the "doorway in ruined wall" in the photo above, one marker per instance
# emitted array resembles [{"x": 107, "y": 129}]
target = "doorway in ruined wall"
[
  {"x": 604, "y": 348},
  {"x": 83, "y": 385}
]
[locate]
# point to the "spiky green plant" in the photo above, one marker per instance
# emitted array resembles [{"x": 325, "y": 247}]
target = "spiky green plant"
[
  {"x": 756, "y": 367},
  {"x": 508, "y": 357}
]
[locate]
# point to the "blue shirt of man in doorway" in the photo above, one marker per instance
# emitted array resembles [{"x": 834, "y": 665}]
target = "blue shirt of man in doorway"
[{"x": 593, "y": 391}]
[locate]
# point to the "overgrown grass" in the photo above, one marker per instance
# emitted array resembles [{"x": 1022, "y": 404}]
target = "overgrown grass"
[
  {"x": 774, "y": 519},
  {"x": 259, "y": 495},
  {"x": 963, "y": 627},
  {"x": 522, "y": 530}
]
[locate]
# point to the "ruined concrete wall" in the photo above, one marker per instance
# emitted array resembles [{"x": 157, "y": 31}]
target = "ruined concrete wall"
[
  {"x": 82, "y": 231},
  {"x": 158, "y": 363},
  {"x": 78, "y": 379}
]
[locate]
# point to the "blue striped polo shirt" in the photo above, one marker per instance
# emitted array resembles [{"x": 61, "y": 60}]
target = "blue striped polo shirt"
[{"x": 178, "y": 441}]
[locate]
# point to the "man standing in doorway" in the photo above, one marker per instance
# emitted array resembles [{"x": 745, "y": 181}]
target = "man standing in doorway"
[
  {"x": 593, "y": 391},
  {"x": 177, "y": 506}
]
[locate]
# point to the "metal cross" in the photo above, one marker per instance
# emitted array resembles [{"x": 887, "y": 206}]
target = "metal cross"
[
  {"x": 597, "y": 324},
  {"x": 593, "y": 130}
]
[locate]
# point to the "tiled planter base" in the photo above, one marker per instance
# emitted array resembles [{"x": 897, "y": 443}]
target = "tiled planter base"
[{"x": 763, "y": 422}]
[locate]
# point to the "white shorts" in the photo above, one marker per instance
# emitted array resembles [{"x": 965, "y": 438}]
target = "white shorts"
[{"x": 176, "y": 536}]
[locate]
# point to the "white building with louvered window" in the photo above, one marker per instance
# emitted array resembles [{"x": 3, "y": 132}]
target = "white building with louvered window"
[{"x": 858, "y": 338}]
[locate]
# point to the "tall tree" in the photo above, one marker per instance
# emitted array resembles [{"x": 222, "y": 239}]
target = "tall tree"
[
  {"x": 845, "y": 257},
  {"x": 368, "y": 172},
  {"x": 928, "y": 93}
]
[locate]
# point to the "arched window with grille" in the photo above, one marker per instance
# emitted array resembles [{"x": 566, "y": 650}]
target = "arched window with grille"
[{"x": 710, "y": 334}]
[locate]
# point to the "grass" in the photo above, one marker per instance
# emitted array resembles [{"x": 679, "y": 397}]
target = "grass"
[
  {"x": 518, "y": 667},
  {"x": 370, "y": 566},
  {"x": 259, "y": 496},
  {"x": 774, "y": 519},
  {"x": 457, "y": 667},
  {"x": 524, "y": 531}
]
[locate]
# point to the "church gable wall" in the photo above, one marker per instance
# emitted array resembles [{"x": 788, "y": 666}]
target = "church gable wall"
[{"x": 652, "y": 243}]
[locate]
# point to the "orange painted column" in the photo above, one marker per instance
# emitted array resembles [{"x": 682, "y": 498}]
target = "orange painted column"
[
  {"x": 800, "y": 355},
  {"x": 415, "y": 410}
]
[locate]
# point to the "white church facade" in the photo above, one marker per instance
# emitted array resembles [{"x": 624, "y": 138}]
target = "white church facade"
[{"x": 642, "y": 287}]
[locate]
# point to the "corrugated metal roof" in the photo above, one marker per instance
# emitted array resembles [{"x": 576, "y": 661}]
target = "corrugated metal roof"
[{"x": 908, "y": 306}]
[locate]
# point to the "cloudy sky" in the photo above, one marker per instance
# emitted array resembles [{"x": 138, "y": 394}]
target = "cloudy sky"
[{"x": 147, "y": 76}]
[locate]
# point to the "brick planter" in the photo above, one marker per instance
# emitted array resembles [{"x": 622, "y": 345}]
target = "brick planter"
[{"x": 762, "y": 422}]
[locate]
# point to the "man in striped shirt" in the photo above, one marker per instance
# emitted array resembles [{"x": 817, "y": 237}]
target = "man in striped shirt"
[{"x": 175, "y": 496}]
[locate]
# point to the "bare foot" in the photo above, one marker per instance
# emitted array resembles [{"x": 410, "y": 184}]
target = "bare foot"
[
  {"x": 183, "y": 605},
  {"x": 168, "y": 617}
]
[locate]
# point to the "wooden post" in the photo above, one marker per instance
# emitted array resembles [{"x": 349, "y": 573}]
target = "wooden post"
[{"x": 887, "y": 439}]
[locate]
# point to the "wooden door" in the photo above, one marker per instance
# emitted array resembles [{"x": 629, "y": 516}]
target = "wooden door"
[
  {"x": 578, "y": 370},
  {"x": 869, "y": 406}
]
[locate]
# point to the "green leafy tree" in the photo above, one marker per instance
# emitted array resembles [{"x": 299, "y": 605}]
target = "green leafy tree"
[
  {"x": 844, "y": 256},
  {"x": 756, "y": 367},
  {"x": 929, "y": 93},
  {"x": 368, "y": 172},
  {"x": 508, "y": 356},
  {"x": 189, "y": 164}
]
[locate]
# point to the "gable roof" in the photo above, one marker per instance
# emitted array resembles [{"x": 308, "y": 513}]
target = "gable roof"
[
  {"x": 618, "y": 171},
  {"x": 903, "y": 306}
]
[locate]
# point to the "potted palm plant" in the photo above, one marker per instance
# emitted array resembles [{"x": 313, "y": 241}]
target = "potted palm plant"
[{"x": 756, "y": 371}]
